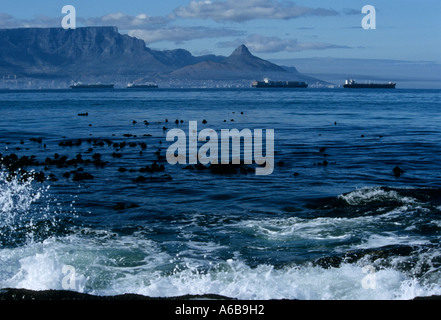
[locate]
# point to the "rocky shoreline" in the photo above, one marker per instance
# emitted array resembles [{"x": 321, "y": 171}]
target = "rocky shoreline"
[
  {"x": 10, "y": 294},
  {"x": 64, "y": 295}
]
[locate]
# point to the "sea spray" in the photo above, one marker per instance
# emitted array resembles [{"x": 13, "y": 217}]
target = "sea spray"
[{"x": 28, "y": 212}]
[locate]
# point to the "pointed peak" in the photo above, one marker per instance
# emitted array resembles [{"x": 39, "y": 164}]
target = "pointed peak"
[{"x": 241, "y": 50}]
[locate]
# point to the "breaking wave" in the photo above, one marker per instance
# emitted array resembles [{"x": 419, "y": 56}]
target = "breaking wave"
[{"x": 392, "y": 254}]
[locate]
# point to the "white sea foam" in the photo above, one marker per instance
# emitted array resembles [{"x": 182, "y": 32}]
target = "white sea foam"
[
  {"x": 388, "y": 239},
  {"x": 298, "y": 229},
  {"x": 374, "y": 194},
  {"x": 118, "y": 265}
]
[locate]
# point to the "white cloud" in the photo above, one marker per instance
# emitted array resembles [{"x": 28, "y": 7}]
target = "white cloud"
[
  {"x": 181, "y": 34},
  {"x": 121, "y": 20},
  {"x": 8, "y": 21},
  {"x": 124, "y": 21},
  {"x": 244, "y": 10},
  {"x": 258, "y": 43}
]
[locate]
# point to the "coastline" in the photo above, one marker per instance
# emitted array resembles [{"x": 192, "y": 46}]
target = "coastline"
[{"x": 9, "y": 294}]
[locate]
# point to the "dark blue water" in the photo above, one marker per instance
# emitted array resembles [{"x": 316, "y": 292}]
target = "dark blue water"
[{"x": 82, "y": 198}]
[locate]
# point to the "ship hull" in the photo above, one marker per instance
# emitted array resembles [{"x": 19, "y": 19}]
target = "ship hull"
[
  {"x": 279, "y": 84},
  {"x": 143, "y": 87},
  {"x": 369, "y": 86},
  {"x": 93, "y": 86}
]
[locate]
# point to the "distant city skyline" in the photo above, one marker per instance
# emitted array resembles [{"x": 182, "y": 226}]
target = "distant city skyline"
[{"x": 406, "y": 30}]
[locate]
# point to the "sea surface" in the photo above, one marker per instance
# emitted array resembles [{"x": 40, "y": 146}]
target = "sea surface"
[{"x": 352, "y": 210}]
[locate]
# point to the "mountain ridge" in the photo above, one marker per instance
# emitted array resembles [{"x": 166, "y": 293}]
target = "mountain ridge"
[{"x": 104, "y": 54}]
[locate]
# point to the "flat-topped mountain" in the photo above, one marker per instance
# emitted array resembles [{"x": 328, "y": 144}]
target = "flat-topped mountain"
[
  {"x": 102, "y": 53},
  {"x": 55, "y": 52}
]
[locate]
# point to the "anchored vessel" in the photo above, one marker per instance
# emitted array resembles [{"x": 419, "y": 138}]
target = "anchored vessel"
[
  {"x": 352, "y": 84},
  {"x": 142, "y": 86},
  {"x": 266, "y": 83},
  {"x": 79, "y": 85}
]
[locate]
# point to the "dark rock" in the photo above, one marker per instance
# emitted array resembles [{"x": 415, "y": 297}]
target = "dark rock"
[
  {"x": 140, "y": 179},
  {"x": 37, "y": 140},
  {"x": 79, "y": 159},
  {"x": 153, "y": 168},
  {"x": 280, "y": 163},
  {"x": 80, "y": 176},
  {"x": 123, "y": 206},
  {"x": 98, "y": 144},
  {"x": 373, "y": 254},
  {"x": 163, "y": 178},
  {"x": 398, "y": 171},
  {"x": 13, "y": 163},
  {"x": 36, "y": 176},
  {"x": 70, "y": 143},
  {"x": 227, "y": 169},
  {"x": 200, "y": 166},
  {"x": 62, "y": 295}
]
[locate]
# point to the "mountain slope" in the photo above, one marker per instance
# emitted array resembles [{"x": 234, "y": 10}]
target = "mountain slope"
[
  {"x": 103, "y": 54},
  {"x": 241, "y": 64},
  {"x": 242, "y": 59},
  {"x": 58, "y": 52}
]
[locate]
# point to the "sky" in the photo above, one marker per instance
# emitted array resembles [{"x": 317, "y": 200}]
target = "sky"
[{"x": 272, "y": 29}]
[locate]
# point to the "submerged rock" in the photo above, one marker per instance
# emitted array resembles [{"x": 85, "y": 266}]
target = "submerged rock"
[
  {"x": 398, "y": 171},
  {"x": 123, "y": 206},
  {"x": 80, "y": 176},
  {"x": 230, "y": 169},
  {"x": 373, "y": 254}
]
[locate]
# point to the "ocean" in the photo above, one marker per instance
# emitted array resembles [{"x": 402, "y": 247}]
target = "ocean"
[{"x": 351, "y": 211}]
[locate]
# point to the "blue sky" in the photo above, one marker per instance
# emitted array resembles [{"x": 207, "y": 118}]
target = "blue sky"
[{"x": 272, "y": 29}]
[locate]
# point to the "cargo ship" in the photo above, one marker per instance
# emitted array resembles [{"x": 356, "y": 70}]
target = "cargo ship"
[
  {"x": 266, "y": 83},
  {"x": 353, "y": 85},
  {"x": 142, "y": 86},
  {"x": 79, "y": 85}
]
